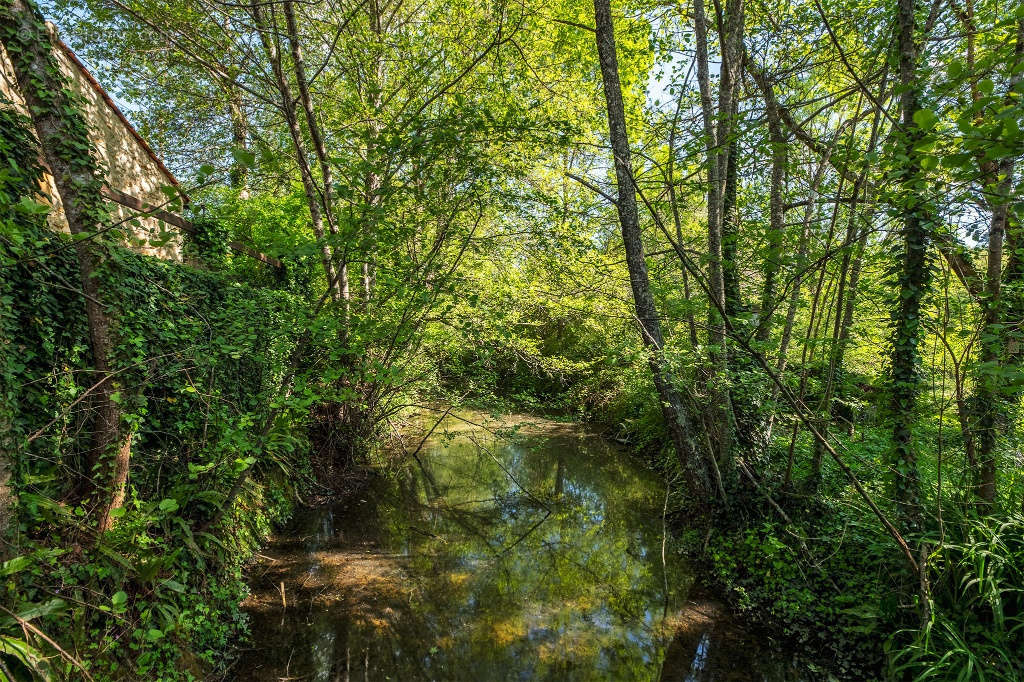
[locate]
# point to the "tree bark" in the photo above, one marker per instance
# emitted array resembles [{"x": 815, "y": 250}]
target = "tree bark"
[
  {"x": 676, "y": 417},
  {"x": 64, "y": 137},
  {"x": 718, "y": 133},
  {"x": 794, "y": 294},
  {"x": 913, "y": 281},
  {"x": 776, "y": 213},
  {"x": 268, "y": 38},
  {"x": 991, "y": 399},
  {"x": 319, "y": 146},
  {"x": 239, "y": 135}
]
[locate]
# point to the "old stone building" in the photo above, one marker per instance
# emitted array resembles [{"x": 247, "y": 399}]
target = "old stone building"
[{"x": 134, "y": 174}]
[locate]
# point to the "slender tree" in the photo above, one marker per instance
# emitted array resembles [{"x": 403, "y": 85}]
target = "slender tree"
[
  {"x": 912, "y": 276},
  {"x": 677, "y": 418}
]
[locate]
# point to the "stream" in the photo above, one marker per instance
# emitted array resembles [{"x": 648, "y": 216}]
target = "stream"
[{"x": 507, "y": 549}]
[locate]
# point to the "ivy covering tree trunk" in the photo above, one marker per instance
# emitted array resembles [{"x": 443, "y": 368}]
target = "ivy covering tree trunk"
[
  {"x": 913, "y": 277},
  {"x": 67, "y": 149}
]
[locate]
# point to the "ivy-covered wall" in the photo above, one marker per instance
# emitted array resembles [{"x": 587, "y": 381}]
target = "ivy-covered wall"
[{"x": 201, "y": 364}]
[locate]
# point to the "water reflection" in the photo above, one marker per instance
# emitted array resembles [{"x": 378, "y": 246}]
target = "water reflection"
[{"x": 535, "y": 557}]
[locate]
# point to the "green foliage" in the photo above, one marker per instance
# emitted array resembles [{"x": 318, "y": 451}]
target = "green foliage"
[
  {"x": 831, "y": 609},
  {"x": 158, "y": 595},
  {"x": 208, "y": 243},
  {"x": 477, "y": 265},
  {"x": 976, "y": 629}
]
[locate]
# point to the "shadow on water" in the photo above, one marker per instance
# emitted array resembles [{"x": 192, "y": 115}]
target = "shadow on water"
[{"x": 535, "y": 556}]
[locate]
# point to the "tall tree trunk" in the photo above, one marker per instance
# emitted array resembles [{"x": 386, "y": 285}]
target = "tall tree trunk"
[
  {"x": 64, "y": 137},
  {"x": 991, "y": 397},
  {"x": 239, "y": 134},
  {"x": 670, "y": 181},
  {"x": 849, "y": 277},
  {"x": 794, "y": 293},
  {"x": 1013, "y": 309},
  {"x": 676, "y": 417},
  {"x": 10, "y": 445},
  {"x": 731, "y": 234},
  {"x": 913, "y": 279},
  {"x": 776, "y": 212},
  {"x": 319, "y": 146},
  {"x": 373, "y": 180},
  {"x": 718, "y": 133}
]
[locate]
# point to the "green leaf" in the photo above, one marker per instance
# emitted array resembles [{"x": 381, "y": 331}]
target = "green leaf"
[
  {"x": 16, "y": 565},
  {"x": 27, "y": 205},
  {"x": 925, "y": 119},
  {"x": 168, "y": 505},
  {"x": 174, "y": 585},
  {"x": 44, "y": 609},
  {"x": 243, "y": 157}
]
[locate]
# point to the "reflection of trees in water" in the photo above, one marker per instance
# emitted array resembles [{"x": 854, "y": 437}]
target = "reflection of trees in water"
[
  {"x": 536, "y": 559},
  {"x": 547, "y": 556}
]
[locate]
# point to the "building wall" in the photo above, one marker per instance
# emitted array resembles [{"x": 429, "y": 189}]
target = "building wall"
[{"x": 129, "y": 165}]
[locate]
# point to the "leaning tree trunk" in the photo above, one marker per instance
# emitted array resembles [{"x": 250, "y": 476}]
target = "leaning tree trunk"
[
  {"x": 676, "y": 417},
  {"x": 319, "y": 148},
  {"x": 269, "y": 40},
  {"x": 67, "y": 150}
]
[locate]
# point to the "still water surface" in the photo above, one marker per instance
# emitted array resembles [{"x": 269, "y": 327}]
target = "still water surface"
[{"x": 508, "y": 550}]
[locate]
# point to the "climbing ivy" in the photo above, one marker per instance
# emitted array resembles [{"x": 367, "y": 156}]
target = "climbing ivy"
[
  {"x": 207, "y": 243},
  {"x": 201, "y": 358}
]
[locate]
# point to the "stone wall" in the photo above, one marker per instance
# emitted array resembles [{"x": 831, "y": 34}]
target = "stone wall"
[{"x": 130, "y": 166}]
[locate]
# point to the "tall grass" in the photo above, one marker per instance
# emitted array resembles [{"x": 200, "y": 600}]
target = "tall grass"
[{"x": 976, "y": 630}]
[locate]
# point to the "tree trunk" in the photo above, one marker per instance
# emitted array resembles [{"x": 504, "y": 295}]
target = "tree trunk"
[
  {"x": 239, "y": 135},
  {"x": 67, "y": 150},
  {"x": 373, "y": 180},
  {"x": 718, "y": 133},
  {"x": 776, "y": 213},
  {"x": 676, "y": 417},
  {"x": 731, "y": 235},
  {"x": 268, "y": 38},
  {"x": 913, "y": 279},
  {"x": 849, "y": 277},
  {"x": 319, "y": 146},
  {"x": 991, "y": 396},
  {"x": 670, "y": 182},
  {"x": 794, "y": 294}
]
